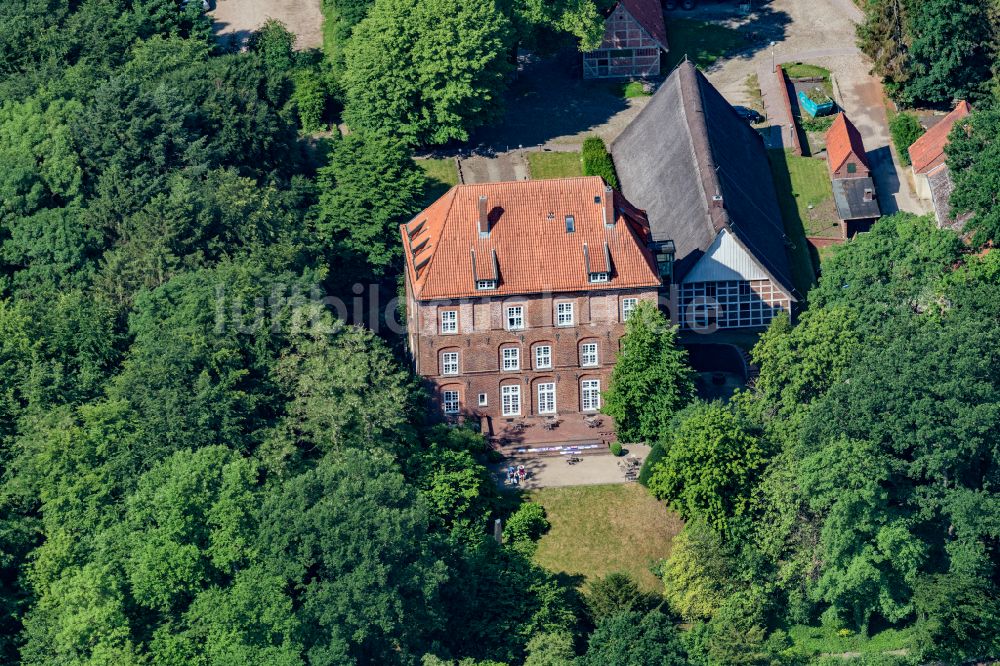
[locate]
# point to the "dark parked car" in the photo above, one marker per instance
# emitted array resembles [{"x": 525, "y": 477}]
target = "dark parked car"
[{"x": 750, "y": 115}]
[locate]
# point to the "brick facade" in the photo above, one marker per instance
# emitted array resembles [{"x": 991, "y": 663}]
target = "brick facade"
[
  {"x": 853, "y": 167},
  {"x": 481, "y": 336}
]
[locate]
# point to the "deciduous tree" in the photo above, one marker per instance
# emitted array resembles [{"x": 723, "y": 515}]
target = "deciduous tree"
[{"x": 651, "y": 379}]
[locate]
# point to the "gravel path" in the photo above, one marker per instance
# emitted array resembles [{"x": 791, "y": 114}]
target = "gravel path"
[
  {"x": 503, "y": 167},
  {"x": 236, "y": 19}
]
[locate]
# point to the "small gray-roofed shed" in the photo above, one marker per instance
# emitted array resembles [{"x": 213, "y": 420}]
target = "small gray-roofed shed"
[
  {"x": 849, "y": 196},
  {"x": 684, "y": 150}
]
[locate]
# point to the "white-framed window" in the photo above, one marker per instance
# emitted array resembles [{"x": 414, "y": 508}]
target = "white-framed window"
[
  {"x": 449, "y": 321},
  {"x": 450, "y": 401},
  {"x": 483, "y": 400},
  {"x": 543, "y": 357},
  {"x": 547, "y": 398},
  {"x": 588, "y": 354},
  {"x": 590, "y": 395},
  {"x": 510, "y": 399},
  {"x": 484, "y": 285},
  {"x": 600, "y": 277},
  {"x": 564, "y": 314},
  {"x": 449, "y": 363},
  {"x": 628, "y": 307},
  {"x": 511, "y": 358},
  {"x": 515, "y": 317}
]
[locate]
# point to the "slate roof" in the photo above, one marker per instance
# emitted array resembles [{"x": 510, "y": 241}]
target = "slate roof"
[
  {"x": 849, "y": 195},
  {"x": 843, "y": 140},
  {"x": 527, "y": 249},
  {"x": 684, "y": 149},
  {"x": 649, "y": 14},
  {"x": 941, "y": 188},
  {"x": 927, "y": 152}
]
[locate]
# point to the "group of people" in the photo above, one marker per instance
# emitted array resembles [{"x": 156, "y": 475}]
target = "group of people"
[{"x": 516, "y": 476}]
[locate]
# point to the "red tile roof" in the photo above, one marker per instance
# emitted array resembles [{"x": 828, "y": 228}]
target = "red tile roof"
[
  {"x": 649, "y": 14},
  {"x": 843, "y": 140},
  {"x": 927, "y": 152},
  {"x": 528, "y": 248}
]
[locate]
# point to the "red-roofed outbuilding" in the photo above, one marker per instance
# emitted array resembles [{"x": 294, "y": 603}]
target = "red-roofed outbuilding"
[
  {"x": 850, "y": 173},
  {"x": 930, "y": 171},
  {"x": 927, "y": 152}
]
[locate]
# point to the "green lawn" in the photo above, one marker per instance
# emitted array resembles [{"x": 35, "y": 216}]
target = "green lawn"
[
  {"x": 600, "y": 529},
  {"x": 820, "y": 640},
  {"x": 554, "y": 165},
  {"x": 441, "y": 175},
  {"x": 798, "y": 70},
  {"x": 634, "y": 89},
  {"x": 703, "y": 43},
  {"x": 801, "y": 182}
]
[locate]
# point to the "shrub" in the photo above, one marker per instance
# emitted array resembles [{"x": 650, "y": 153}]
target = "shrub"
[
  {"x": 597, "y": 161},
  {"x": 616, "y": 593},
  {"x": 905, "y": 129},
  {"x": 616, "y": 449},
  {"x": 309, "y": 97},
  {"x": 656, "y": 454},
  {"x": 528, "y": 523}
]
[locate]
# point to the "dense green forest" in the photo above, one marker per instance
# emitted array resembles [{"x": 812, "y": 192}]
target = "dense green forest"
[{"x": 202, "y": 464}]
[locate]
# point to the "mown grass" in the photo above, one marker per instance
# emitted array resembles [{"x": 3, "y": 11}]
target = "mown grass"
[
  {"x": 799, "y": 70},
  {"x": 701, "y": 42},
  {"x": 798, "y": 183},
  {"x": 554, "y": 165},
  {"x": 600, "y": 529},
  {"x": 827, "y": 641},
  {"x": 441, "y": 175},
  {"x": 634, "y": 89}
]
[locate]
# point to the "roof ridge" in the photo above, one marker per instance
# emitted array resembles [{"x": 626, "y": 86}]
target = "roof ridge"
[{"x": 694, "y": 117}]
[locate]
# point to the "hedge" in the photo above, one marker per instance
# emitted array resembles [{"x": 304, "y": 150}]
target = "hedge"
[
  {"x": 905, "y": 129},
  {"x": 656, "y": 454},
  {"x": 597, "y": 161}
]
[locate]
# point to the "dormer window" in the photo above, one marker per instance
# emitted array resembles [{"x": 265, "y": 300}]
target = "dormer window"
[
  {"x": 599, "y": 277},
  {"x": 485, "y": 285}
]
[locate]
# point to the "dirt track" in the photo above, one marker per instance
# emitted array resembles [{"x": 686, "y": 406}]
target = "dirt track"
[{"x": 236, "y": 19}]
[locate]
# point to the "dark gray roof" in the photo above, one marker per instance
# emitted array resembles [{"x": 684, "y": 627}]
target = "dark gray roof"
[
  {"x": 941, "y": 188},
  {"x": 849, "y": 195},
  {"x": 686, "y": 148}
]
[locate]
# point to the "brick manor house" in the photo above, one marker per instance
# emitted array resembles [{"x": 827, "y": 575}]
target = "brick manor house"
[{"x": 517, "y": 294}]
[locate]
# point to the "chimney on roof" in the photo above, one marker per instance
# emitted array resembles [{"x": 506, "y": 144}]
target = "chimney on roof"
[
  {"x": 717, "y": 201},
  {"x": 484, "y": 219},
  {"x": 609, "y": 206},
  {"x": 869, "y": 194}
]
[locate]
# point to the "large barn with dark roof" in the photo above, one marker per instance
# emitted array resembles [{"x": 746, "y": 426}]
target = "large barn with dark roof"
[{"x": 701, "y": 173}]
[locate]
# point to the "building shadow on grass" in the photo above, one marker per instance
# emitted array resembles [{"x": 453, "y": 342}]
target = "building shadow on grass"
[
  {"x": 550, "y": 99},
  {"x": 803, "y": 256}
]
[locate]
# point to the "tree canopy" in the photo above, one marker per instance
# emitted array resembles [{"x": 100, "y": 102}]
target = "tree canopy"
[{"x": 651, "y": 379}]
